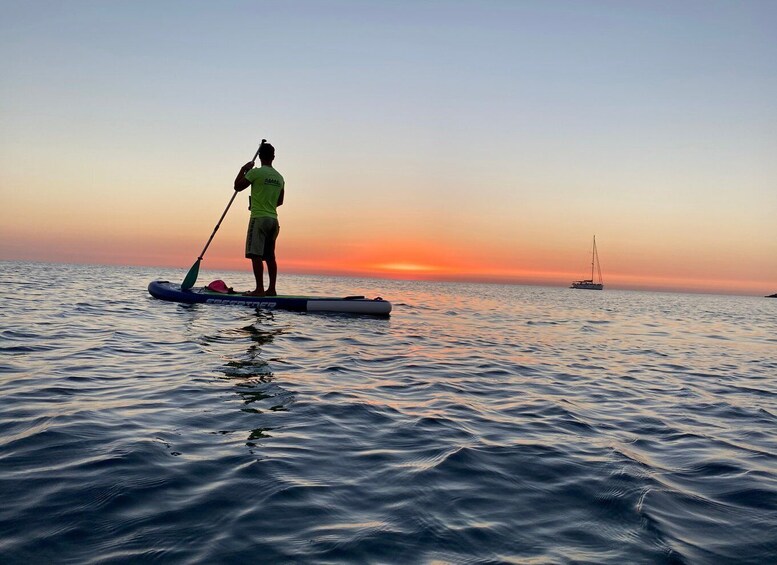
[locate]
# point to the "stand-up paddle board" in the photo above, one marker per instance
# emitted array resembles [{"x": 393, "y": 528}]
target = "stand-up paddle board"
[{"x": 172, "y": 292}]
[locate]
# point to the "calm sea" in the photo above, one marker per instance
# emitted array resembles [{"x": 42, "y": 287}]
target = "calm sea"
[{"x": 479, "y": 424}]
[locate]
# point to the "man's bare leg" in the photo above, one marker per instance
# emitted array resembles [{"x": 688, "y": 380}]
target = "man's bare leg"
[
  {"x": 256, "y": 264},
  {"x": 272, "y": 272}
]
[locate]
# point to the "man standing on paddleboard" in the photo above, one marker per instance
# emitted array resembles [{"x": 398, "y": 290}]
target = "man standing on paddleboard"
[{"x": 267, "y": 189}]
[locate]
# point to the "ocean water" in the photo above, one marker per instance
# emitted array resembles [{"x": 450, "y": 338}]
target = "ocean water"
[{"x": 479, "y": 424}]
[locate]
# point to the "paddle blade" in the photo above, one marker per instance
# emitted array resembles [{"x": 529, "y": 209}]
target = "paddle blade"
[{"x": 191, "y": 276}]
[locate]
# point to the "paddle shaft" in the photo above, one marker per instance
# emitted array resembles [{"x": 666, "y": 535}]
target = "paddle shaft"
[
  {"x": 204, "y": 249},
  {"x": 221, "y": 219}
]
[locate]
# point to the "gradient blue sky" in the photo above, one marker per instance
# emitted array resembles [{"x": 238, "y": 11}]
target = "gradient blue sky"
[{"x": 487, "y": 139}]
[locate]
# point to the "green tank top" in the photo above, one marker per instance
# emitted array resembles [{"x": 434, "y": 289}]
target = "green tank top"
[{"x": 266, "y": 186}]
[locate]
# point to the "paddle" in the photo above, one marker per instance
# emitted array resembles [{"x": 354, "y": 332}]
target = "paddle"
[{"x": 191, "y": 276}]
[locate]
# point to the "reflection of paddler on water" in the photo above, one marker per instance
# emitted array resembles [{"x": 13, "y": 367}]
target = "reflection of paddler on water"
[
  {"x": 253, "y": 378},
  {"x": 267, "y": 191}
]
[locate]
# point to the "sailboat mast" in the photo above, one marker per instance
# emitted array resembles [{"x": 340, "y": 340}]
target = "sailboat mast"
[
  {"x": 598, "y": 266},
  {"x": 593, "y": 255}
]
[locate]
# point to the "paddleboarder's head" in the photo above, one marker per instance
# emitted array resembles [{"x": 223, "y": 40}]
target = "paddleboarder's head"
[{"x": 266, "y": 153}]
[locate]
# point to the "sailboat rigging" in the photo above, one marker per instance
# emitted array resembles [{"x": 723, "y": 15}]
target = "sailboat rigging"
[{"x": 589, "y": 284}]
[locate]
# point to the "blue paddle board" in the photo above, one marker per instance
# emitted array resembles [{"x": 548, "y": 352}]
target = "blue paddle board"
[{"x": 172, "y": 292}]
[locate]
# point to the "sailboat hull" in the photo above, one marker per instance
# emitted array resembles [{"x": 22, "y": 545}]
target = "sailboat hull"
[{"x": 586, "y": 285}]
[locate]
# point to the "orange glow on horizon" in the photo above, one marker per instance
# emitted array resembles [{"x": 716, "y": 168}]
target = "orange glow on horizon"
[
  {"x": 398, "y": 259},
  {"x": 406, "y": 267}
]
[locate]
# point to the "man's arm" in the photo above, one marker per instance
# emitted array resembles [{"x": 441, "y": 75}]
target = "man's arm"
[
  {"x": 280, "y": 197},
  {"x": 241, "y": 182}
]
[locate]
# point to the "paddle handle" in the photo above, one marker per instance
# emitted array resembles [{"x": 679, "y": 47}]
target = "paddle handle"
[{"x": 221, "y": 219}]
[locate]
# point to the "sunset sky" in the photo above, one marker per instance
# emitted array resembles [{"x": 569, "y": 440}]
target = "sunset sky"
[{"x": 451, "y": 140}]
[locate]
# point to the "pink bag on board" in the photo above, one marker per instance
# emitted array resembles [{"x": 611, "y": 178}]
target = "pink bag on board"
[{"x": 220, "y": 286}]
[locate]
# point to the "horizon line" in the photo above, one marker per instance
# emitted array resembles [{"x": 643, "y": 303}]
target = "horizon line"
[{"x": 420, "y": 277}]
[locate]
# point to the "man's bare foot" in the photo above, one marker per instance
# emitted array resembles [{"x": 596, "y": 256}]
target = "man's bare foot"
[
  {"x": 255, "y": 292},
  {"x": 271, "y": 292}
]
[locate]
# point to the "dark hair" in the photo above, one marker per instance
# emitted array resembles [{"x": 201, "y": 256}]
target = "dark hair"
[{"x": 266, "y": 151}]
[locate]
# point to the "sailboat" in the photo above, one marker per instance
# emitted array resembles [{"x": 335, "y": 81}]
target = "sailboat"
[{"x": 589, "y": 284}]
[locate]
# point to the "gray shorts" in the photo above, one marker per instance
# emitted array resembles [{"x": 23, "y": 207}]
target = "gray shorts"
[{"x": 260, "y": 240}]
